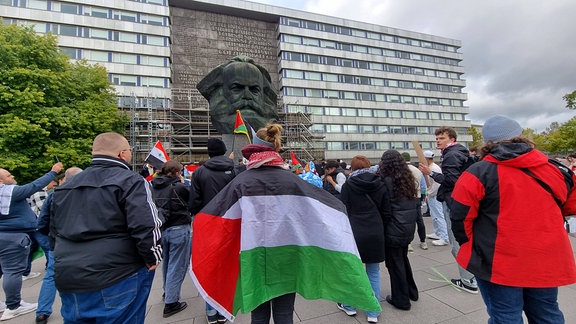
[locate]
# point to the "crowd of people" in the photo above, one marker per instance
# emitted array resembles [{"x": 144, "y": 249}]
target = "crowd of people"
[{"x": 104, "y": 230}]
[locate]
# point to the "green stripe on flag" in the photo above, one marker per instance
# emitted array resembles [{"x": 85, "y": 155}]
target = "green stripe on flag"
[{"x": 312, "y": 272}]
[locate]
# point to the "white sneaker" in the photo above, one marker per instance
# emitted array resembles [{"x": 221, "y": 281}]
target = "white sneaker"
[
  {"x": 2, "y": 306},
  {"x": 433, "y": 236},
  {"x": 31, "y": 275},
  {"x": 410, "y": 248},
  {"x": 371, "y": 319},
  {"x": 423, "y": 246},
  {"x": 24, "y": 308},
  {"x": 439, "y": 242}
]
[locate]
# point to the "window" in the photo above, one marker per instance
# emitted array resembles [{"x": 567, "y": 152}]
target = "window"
[
  {"x": 433, "y": 115},
  {"x": 393, "y": 98},
  {"x": 358, "y": 33},
  {"x": 410, "y": 129},
  {"x": 446, "y": 116},
  {"x": 333, "y": 128},
  {"x": 363, "y": 65},
  {"x": 393, "y": 83},
  {"x": 418, "y": 71},
  {"x": 314, "y": 59},
  {"x": 95, "y": 56},
  {"x": 397, "y": 145},
  {"x": 375, "y": 51},
  {"x": 363, "y": 80},
  {"x": 310, "y": 41},
  {"x": 389, "y": 53},
  {"x": 432, "y": 101},
  {"x": 349, "y": 112},
  {"x": 329, "y": 28},
  {"x": 315, "y": 110},
  {"x": 67, "y": 30},
  {"x": 314, "y": 93},
  {"x": 373, "y": 35},
  {"x": 327, "y": 44},
  {"x": 292, "y": 39},
  {"x": 332, "y": 111},
  {"x": 349, "y": 95},
  {"x": 381, "y": 129},
  {"x": 334, "y": 146},
  {"x": 396, "y": 129},
  {"x": 298, "y": 92},
  {"x": 98, "y": 33},
  {"x": 311, "y": 25},
  {"x": 38, "y": 4},
  {"x": 365, "y": 96},
  {"x": 402, "y": 40},
  {"x": 422, "y": 130},
  {"x": 365, "y": 112},
  {"x": 347, "y": 78},
  {"x": 366, "y": 129},
  {"x": 422, "y": 115},
  {"x": 379, "y": 97},
  {"x": 420, "y": 100},
  {"x": 292, "y": 22},
  {"x": 351, "y": 145},
  {"x": 317, "y": 128},
  {"x": 290, "y": 56},
  {"x": 125, "y": 80},
  {"x": 307, "y": 75},
  {"x": 125, "y": 16},
  {"x": 147, "y": 39},
  {"x": 96, "y": 12},
  {"x": 330, "y": 77},
  {"x": 430, "y": 73},
  {"x": 407, "y": 99},
  {"x": 153, "y": 60},
  {"x": 346, "y": 47},
  {"x": 345, "y": 31},
  {"x": 70, "y": 52},
  {"x": 125, "y": 58},
  {"x": 388, "y": 38},
  {"x": 69, "y": 8},
  {"x": 330, "y": 60},
  {"x": 293, "y": 74},
  {"x": 353, "y": 129},
  {"x": 394, "y": 114},
  {"x": 360, "y": 49},
  {"x": 382, "y": 146},
  {"x": 333, "y": 94},
  {"x": 152, "y": 82},
  {"x": 378, "y": 82},
  {"x": 416, "y": 57},
  {"x": 152, "y": 20}
]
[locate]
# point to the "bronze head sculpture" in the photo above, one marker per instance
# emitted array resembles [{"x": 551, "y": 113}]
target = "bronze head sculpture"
[{"x": 239, "y": 84}]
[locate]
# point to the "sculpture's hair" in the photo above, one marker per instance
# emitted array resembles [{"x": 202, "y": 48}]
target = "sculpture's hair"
[
  {"x": 359, "y": 162},
  {"x": 271, "y": 133},
  {"x": 448, "y": 130},
  {"x": 392, "y": 165}
]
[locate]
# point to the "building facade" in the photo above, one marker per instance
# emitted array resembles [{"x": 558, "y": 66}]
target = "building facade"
[{"x": 363, "y": 88}]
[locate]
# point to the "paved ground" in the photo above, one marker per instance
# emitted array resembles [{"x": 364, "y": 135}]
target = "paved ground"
[{"x": 439, "y": 302}]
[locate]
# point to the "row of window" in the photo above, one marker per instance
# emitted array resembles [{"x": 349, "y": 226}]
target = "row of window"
[
  {"x": 140, "y": 102},
  {"x": 380, "y": 113},
  {"x": 114, "y": 57},
  {"x": 86, "y": 10},
  {"x": 370, "y": 129},
  {"x": 158, "y": 2},
  {"x": 364, "y": 34},
  {"x": 366, "y": 49},
  {"x": 359, "y": 64},
  {"x": 95, "y": 33},
  {"x": 138, "y": 81},
  {"x": 345, "y": 78},
  {"x": 371, "y": 146},
  {"x": 368, "y": 96}
]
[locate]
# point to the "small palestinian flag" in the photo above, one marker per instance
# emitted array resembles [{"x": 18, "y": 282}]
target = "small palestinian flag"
[
  {"x": 240, "y": 126},
  {"x": 296, "y": 166}
]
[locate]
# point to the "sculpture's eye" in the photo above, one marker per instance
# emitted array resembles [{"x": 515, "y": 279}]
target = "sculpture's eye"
[{"x": 255, "y": 89}]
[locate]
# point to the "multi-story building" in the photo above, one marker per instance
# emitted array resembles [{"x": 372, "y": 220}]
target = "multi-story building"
[{"x": 365, "y": 88}]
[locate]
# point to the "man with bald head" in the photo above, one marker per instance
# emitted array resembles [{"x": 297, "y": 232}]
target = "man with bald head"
[
  {"x": 107, "y": 238},
  {"x": 17, "y": 223}
]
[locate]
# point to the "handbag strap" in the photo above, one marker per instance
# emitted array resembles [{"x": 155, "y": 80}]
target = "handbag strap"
[{"x": 547, "y": 188}]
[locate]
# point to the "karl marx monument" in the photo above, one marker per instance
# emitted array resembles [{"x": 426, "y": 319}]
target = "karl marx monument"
[{"x": 239, "y": 84}]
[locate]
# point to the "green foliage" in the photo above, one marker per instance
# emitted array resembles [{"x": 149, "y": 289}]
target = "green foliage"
[
  {"x": 48, "y": 105},
  {"x": 477, "y": 139},
  {"x": 570, "y": 100},
  {"x": 560, "y": 139}
]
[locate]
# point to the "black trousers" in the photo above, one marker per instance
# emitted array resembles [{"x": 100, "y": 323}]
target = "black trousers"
[
  {"x": 402, "y": 281},
  {"x": 282, "y": 310}
]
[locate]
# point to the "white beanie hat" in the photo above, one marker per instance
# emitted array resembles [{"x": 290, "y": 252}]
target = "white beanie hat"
[{"x": 500, "y": 128}]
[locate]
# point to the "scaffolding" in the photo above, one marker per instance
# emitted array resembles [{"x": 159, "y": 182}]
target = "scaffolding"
[{"x": 182, "y": 124}]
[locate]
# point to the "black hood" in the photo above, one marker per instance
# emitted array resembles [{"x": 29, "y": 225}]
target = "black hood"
[
  {"x": 365, "y": 182},
  {"x": 219, "y": 163},
  {"x": 162, "y": 181}
]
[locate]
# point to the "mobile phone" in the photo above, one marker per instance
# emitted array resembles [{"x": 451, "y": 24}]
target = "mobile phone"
[{"x": 56, "y": 160}]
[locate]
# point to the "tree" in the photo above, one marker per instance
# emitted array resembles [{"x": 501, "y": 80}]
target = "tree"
[
  {"x": 570, "y": 100},
  {"x": 48, "y": 105},
  {"x": 563, "y": 139},
  {"x": 477, "y": 139}
]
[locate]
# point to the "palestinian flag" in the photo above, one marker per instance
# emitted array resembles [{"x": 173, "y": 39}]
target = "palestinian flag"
[
  {"x": 295, "y": 163},
  {"x": 240, "y": 126},
  {"x": 268, "y": 233},
  {"x": 157, "y": 156}
]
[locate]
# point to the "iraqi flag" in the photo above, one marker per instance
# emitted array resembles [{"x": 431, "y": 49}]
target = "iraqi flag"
[
  {"x": 268, "y": 233},
  {"x": 157, "y": 156}
]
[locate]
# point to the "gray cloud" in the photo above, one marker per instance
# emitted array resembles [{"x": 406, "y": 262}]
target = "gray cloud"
[{"x": 518, "y": 54}]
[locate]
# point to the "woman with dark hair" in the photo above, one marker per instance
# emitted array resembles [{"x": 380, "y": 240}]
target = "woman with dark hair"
[
  {"x": 400, "y": 224},
  {"x": 364, "y": 196}
]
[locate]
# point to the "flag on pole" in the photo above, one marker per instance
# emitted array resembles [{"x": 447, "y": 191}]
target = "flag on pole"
[
  {"x": 240, "y": 126},
  {"x": 295, "y": 163},
  {"x": 157, "y": 156},
  {"x": 242, "y": 258}
]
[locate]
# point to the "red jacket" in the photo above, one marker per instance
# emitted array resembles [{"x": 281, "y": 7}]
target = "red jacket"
[{"x": 510, "y": 229}]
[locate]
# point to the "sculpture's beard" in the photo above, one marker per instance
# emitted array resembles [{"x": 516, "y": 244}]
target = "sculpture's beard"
[{"x": 223, "y": 114}]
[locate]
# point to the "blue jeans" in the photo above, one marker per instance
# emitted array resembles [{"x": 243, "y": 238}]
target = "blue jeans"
[
  {"x": 438, "y": 221},
  {"x": 176, "y": 247},
  {"x": 124, "y": 302},
  {"x": 505, "y": 304},
  {"x": 373, "y": 272},
  {"x": 14, "y": 251},
  {"x": 48, "y": 289},
  {"x": 466, "y": 277},
  {"x": 282, "y": 310}
]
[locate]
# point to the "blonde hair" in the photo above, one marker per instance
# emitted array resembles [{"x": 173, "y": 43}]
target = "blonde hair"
[{"x": 271, "y": 133}]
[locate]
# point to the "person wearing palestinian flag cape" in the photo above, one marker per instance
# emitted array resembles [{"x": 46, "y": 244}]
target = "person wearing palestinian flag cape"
[{"x": 269, "y": 235}]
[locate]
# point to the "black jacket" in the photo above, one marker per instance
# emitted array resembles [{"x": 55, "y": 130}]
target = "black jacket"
[
  {"x": 208, "y": 180},
  {"x": 400, "y": 218},
  {"x": 106, "y": 227},
  {"x": 171, "y": 199},
  {"x": 453, "y": 159},
  {"x": 364, "y": 196},
  {"x": 328, "y": 186}
]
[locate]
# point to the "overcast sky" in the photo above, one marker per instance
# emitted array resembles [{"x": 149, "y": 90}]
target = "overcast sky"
[{"x": 519, "y": 55}]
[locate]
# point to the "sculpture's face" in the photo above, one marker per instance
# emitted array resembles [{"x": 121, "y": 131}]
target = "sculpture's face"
[{"x": 242, "y": 90}]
